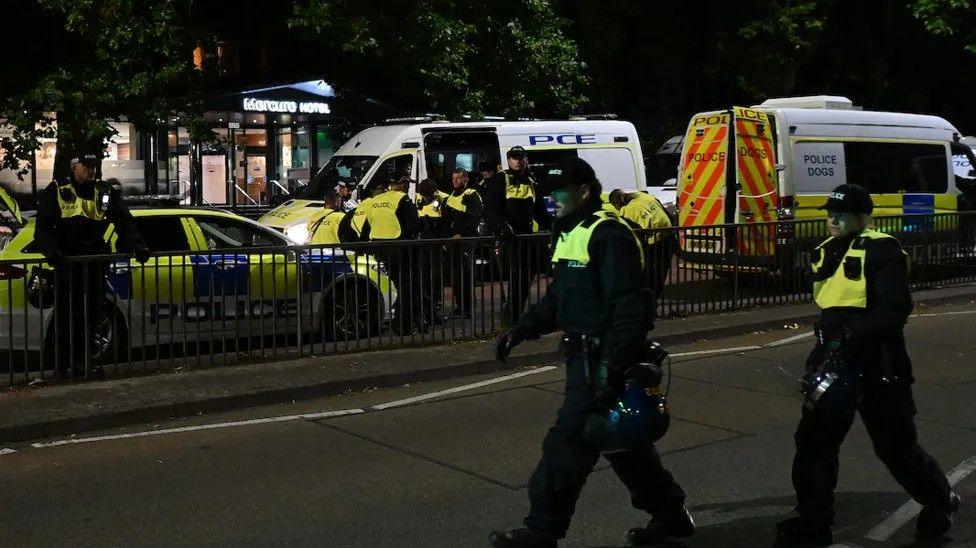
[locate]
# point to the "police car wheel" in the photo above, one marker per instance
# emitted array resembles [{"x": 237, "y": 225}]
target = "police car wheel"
[{"x": 352, "y": 310}]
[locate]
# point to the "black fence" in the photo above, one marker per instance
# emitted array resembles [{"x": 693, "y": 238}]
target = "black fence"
[{"x": 110, "y": 315}]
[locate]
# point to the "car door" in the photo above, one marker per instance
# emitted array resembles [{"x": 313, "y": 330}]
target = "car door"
[
  {"x": 153, "y": 296},
  {"x": 242, "y": 288}
]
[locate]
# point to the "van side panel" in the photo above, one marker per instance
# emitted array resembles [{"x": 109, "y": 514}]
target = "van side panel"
[
  {"x": 755, "y": 179},
  {"x": 702, "y": 177}
]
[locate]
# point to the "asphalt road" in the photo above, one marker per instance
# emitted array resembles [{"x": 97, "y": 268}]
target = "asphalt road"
[{"x": 444, "y": 470}]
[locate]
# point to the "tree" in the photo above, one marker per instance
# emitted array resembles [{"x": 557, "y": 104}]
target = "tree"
[
  {"x": 508, "y": 57},
  {"x": 112, "y": 59}
]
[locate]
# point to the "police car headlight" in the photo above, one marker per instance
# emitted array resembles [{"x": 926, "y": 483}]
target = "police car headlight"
[{"x": 298, "y": 233}]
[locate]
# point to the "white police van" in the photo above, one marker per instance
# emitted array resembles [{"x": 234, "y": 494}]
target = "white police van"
[{"x": 422, "y": 148}]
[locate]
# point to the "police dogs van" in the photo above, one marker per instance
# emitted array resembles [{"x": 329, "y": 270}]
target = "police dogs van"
[
  {"x": 778, "y": 161},
  {"x": 424, "y": 147}
]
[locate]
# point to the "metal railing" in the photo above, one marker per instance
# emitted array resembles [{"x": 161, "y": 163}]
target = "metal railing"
[{"x": 109, "y": 315}]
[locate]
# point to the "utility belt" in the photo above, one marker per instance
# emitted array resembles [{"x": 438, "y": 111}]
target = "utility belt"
[{"x": 588, "y": 346}]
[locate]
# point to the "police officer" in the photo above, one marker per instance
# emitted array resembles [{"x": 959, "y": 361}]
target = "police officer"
[
  {"x": 600, "y": 299},
  {"x": 357, "y": 217},
  {"x": 860, "y": 364},
  {"x": 486, "y": 171},
  {"x": 73, "y": 215},
  {"x": 513, "y": 207},
  {"x": 324, "y": 226},
  {"x": 644, "y": 211},
  {"x": 346, "y": 192},
  {"x": 430, "y": 204},
  {"x": 462, "y": 211},
  {"x": 393, "y": 216}
]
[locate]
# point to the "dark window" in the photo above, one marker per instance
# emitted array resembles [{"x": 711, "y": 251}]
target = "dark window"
[
  {"x": 232, "y": 234},
  {"x": 890, "y": 168},
  {"x": 163, "y": 234},
  {"x": 392, "y": 169}
]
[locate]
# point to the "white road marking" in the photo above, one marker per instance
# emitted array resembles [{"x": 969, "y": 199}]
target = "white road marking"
[
  {"x": 788, "y": 340},
  {"x": 897, "y": 519},
  {"x": 715, "y": 351},
  {"x": 953, "y": 313},
  {"x": 462, "y": 388},
  {"x": 213, "y": 426},
  {"x": 7, "y": 451}
]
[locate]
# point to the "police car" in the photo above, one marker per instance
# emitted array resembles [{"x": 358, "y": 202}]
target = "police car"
[
  {"x": 210, "y": 278},
  {"x": 428, "y": 147}
]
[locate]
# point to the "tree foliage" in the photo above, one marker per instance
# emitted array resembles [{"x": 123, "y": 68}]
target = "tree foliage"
[
  {"x": 508, "y": 57},
  {"x": 116, "y": 58}
]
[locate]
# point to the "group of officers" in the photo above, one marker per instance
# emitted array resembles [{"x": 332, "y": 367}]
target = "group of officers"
[
  {"x": 603, "y": 300},
  {"x": 501, "y": 203}
]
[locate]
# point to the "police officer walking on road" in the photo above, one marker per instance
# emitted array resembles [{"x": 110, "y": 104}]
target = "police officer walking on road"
[
  {"x": 73, "y": 215},
  {"x": 513, "y": 207},
  {"x": 600, "y": 298},
  {"x": 860, "y": 364}
]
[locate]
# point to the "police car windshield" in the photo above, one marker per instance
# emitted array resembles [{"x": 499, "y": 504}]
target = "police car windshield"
[{"x": 339, "y": 169}]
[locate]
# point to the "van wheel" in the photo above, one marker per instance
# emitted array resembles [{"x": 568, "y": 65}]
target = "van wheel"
[{"x": 351, "y": 310}]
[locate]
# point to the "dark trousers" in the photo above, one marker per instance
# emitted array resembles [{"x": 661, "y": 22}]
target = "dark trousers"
[
  {"x": 567, "y": 461},
  {"x": 79, "y": 298},
  {"x": 657, "y": 261},
  {"x": 462, "y": 283},
  {"x": 888, "y": 411},
  {"x": 403, "y": 269}
]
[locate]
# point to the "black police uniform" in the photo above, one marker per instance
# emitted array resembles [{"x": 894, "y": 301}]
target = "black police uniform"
[
  {"x": 861, "y": 285},
  {"x": 605, "y": 307},
  {"x": 72, "y": 220},
  {"x": 463, "y": 211},
  {"x": 513, "y": 204}
]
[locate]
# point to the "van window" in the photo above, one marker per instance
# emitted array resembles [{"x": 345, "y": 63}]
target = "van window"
[
  {"x": 392, "y": 169},
  {"x": 882, "y": 168},
  {"x": 614, "y": 167},
  {"x": 890, "y": 168}
]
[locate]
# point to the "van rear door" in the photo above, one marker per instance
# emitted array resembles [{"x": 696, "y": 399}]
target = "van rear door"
[
  {"x": 702, "y": 180},
  {"x": 756, "y": 180}
]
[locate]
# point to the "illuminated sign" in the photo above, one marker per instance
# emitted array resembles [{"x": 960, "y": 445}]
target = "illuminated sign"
[{"x": 252, "y": 104}]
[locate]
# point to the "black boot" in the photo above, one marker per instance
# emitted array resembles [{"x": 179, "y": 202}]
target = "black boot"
[
  {"x": 521, "y": 538},
  {"x": 935, "y": 522},
  {"x": 796, "y": 532},
  {"x": 676, "y": 523}
]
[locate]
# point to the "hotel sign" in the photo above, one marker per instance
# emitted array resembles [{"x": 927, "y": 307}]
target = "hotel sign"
[{"x": 253, "y": 104}]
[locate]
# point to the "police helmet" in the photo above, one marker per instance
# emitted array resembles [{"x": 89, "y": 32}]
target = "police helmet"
[
  {"x": 639, "y": 417},
  {"x": 40, "y": 288}
]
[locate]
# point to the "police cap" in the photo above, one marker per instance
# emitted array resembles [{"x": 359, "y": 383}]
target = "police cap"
[
  {"x": 89, "y": 159},
  {"x": 516, "y": 152},
  {"x": 568, "y": 172},
  {"x": 849, "y": 198}
]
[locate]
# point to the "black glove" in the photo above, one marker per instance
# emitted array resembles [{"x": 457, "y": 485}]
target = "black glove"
[
  {"x": 509, "y": 340},
  {"x": 504, "y": 234},
  {"x": 142, "y": 254}
]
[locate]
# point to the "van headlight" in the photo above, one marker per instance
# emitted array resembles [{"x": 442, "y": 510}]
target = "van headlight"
[{"x": 298, "y": 233}]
